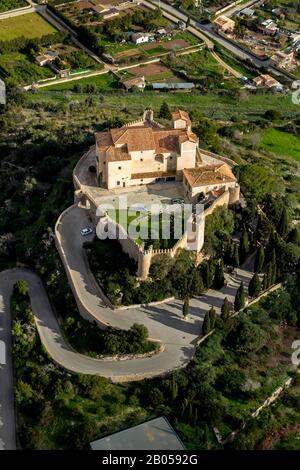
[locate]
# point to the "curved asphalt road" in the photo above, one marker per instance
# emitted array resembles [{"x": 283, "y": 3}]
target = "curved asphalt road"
[{"x": 164, "y": 322}]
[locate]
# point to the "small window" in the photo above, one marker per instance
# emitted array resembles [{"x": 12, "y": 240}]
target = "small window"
[
  {"x": 171, "y": 158},
  {"x": 118, "y": 183},
  {"x": 141, "y": 159},
  {"x": 104, "y": 163},
  {"x": 142, "y": 180},
  {"x": 119, "y": 168}
]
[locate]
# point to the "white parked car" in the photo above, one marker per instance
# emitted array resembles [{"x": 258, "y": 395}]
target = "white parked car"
[{"x": 86, "y": 231}]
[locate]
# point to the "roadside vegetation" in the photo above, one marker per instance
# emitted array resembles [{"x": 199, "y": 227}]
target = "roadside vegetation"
[{"x": 7, "y": 5}]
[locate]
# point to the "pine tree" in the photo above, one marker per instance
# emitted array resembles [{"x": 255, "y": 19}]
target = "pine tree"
[
  {"x": 254, "y": 286},
  {"x": 283, "y": 225},
  {"x": 244, "y": 245},
  {"x": 225, "y": 310},
  {"x": 239, "y": 301},
  {"x": 185, "y": 307},
  {"x": 260, "y": 259},
  {"x": 212, "y": 317},
  {"x": 164, "y": 111},
  {"x": 235, "y": 256},
  {"x": 219, "y": 276},
  {"x": 206, "y": 324}
]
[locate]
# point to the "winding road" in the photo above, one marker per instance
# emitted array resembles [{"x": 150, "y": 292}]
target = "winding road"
[{"x": 164, "y": 322}]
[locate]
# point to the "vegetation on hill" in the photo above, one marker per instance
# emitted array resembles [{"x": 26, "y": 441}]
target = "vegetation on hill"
[{"x": 233, "y": 370}]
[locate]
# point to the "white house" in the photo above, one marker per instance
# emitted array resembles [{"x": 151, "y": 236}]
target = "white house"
[{"x": 140, "y": 38}]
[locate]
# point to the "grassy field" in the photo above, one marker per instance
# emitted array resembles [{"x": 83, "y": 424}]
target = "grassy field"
[
  {"x": 7, "y": 5},
  {"x": 102, "y": 82},
  {"x": 281, "y": 143},
  {"x": 29, "y": 26},
  {"x": 21, "y": 70},
  {"x": 211, "y": 105}
]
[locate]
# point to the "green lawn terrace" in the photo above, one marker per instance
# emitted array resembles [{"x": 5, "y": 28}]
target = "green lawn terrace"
[
  {"x": 30, "y": 26},
  {"x": 161, "y": 229},
  {"x": 8, "y": 5}
]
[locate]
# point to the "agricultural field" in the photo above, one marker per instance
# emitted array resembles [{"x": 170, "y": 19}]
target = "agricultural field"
[
  {"x": 281, "y": 143},
  {"x": 17, "y": 69},
  {"x": 128, "y": 52},
  {"x": 94, "y": 13},
  {"x": 202, "y": 68},
  {"x": 156, "y": 72},
  {"x": 114, "y": 35},
  {"x": 29, "y": 26},
  {"x": 70, "y": 57},
  {"x": 7, "y": 5},
  {"x": 97, "y": 83}
]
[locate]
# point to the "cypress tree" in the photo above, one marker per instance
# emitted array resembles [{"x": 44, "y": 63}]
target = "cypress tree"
[
  {"x": 225, "y": 310},
  {"x": 235, "y": 256},
  {"x": 265, "y": 282},
  {"x": 212, "y": 317},
  {"x": 208, "y": 274},
  {"x": 206, "y": 324},
  {"x": 254, "y": 286},
  {"x": 271, "y": 274},
  {"x": 244, "y": 245},
  {"x": 259, "y": 259},
  {"x": 294, "y": 236},
  {"x": 219, "y": 276},
  {"x": 197, "y": 285},
  {"x": 174, "y": 387},
  {"x": 164, "y": 111},
  {"x": 273, "y": 269},
  {"x": 283, "y": 225},
  {"x": 239, "y": 301},
  {"x": 185, "y": 307}
]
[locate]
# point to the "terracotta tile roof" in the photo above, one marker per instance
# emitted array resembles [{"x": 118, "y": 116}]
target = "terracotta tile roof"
[
  {"x": 170, "y": 139},
  {"x": 141, "y": 138},
  {"x": 103, "y": 139},
  {"x": 117, "y": 154},
  {"x": 265, "y": 80},
  {"x": 179, "y": 114},
  {"x": 209, "y": 174},
  {"x": 153, "y": 174}
]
